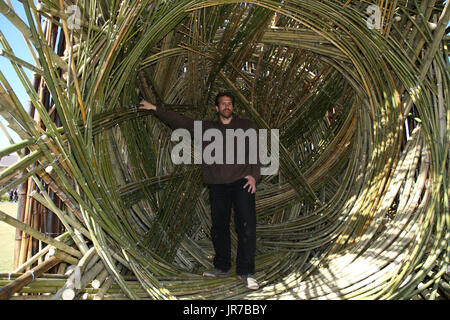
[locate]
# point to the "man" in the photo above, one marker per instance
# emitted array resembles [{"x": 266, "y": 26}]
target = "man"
[{"x": 229, "y": 184}]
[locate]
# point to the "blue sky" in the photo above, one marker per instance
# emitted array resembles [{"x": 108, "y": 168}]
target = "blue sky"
[{"x": 21, "y": 50}]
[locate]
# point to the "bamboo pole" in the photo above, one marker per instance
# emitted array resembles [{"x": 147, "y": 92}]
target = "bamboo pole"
[
  {"x": 11, "y": 15},
  {"x": 67, "y": 292},
  {"x": 99, "y": 279},
  {"x": 62, "y": 256},
  {"x": 70, "y": 292},
  {"x": 23, "y": 187},
  {"x": 38, "y": 235},
  {"x": 104, "y": 288},
  {"x": 24, "y": 245},
  {"x": 41, "y": 253},
  {"x": 7, "y": 291}
]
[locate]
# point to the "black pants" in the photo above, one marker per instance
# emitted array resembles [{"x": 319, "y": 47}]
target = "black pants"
[{"x": 222, "y": 197}]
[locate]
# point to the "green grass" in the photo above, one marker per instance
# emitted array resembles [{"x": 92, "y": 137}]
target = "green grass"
[{"x": 7, "y": 238}]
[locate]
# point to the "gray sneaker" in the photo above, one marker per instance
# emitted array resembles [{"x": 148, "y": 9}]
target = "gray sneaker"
[
  {"x": 250, "y": 282},
  {"x": 216, "y": 273}
]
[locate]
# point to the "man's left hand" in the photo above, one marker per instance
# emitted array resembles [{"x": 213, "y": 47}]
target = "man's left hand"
[{"x": 251, "y": 183}]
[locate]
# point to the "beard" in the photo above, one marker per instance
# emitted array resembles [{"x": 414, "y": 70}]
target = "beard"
[{"x": 226, "y": 113}]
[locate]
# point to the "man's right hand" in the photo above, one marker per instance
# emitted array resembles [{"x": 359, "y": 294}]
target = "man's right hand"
[{"x": 147, "y": 105}]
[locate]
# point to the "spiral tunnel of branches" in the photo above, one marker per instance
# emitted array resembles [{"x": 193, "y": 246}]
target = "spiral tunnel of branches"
[{"x": 358, "y": 90}]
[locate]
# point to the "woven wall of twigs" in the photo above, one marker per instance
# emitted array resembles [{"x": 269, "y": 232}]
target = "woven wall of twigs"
[{"x": 359, "y": 91}]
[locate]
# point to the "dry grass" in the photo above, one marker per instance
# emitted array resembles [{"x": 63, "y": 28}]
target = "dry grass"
[{"x": 7, "y": 238}]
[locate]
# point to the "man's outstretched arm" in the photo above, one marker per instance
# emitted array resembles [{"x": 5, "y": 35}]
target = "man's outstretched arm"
[
  {"x": 145, "y": 105},
  {"x": 171, "y": 118}
]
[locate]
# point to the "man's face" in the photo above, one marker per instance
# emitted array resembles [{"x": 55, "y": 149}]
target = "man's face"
[{"x": 225, "y": 107}]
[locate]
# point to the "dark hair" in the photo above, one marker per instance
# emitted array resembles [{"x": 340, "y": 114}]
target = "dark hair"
[{"x": 224, "y": 94}]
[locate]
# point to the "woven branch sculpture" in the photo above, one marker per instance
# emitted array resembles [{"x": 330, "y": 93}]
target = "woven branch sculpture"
[{"x": 358, "y": 209}]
